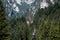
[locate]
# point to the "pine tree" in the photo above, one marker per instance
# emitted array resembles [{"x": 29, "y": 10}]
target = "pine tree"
[
  {"x": 48, "y": 24},
  {"x": 3, "y": 24}
]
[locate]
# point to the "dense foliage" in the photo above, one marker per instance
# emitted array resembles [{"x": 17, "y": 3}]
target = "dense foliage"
[
  {"x": 4, "y": 34},
  {"x": 46, "y": 22}
]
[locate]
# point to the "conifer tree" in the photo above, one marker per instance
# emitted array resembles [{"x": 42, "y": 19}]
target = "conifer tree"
[{"x": 3, "y": 24}]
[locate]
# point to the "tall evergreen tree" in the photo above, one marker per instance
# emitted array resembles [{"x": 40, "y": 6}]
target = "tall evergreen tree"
[{"x": 3, "y": 24}]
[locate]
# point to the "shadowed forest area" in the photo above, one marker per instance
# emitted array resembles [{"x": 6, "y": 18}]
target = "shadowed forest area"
[{"x": 46, "y": 22}]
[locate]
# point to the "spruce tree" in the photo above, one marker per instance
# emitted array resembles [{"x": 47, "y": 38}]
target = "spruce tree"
[{"x": 3, "y": 24}]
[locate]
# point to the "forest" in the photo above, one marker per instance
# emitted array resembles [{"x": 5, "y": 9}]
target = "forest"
[{"x": 46, "y": 24}]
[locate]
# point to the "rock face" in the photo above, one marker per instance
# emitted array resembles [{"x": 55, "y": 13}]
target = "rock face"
[
  {"x": 20, "y": 6},
  {"x": 25, "y": 7},
  {"x": 43, "y": 4}
]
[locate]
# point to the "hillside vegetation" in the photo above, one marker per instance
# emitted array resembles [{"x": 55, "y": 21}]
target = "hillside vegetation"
[{"x": 46, "y": 22}]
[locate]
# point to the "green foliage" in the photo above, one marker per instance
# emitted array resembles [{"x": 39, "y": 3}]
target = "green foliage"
[
  {"x": 3, "y": 24},
  {"x": 46, "y": 22}
]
